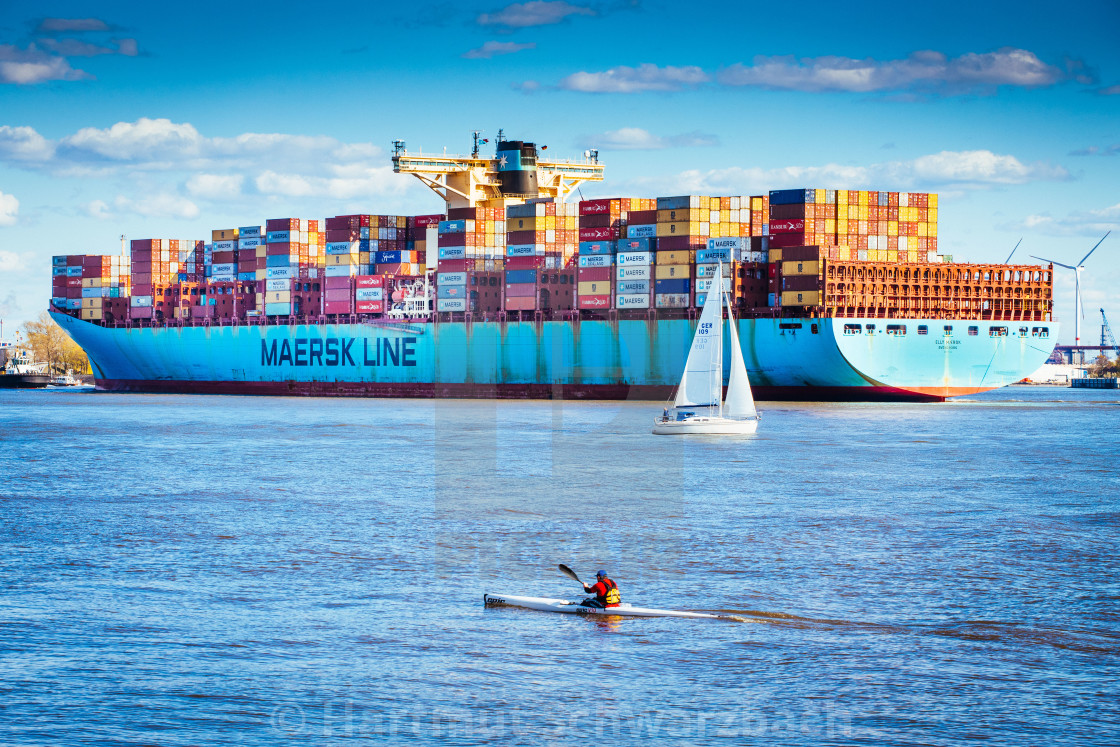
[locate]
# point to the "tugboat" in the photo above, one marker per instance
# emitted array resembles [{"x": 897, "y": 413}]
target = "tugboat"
[{"x": 19, "y": 371}]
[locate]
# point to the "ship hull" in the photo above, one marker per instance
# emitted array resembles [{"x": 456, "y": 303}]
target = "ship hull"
[{"x": 786, "y": 359}]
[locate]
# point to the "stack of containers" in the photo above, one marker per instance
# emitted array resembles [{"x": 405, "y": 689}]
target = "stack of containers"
[
  {"x": 389, "y": 250},
  {"x": 96, "y": 271},
  {"x": 60, "y": 282},
  {"x": 250, "y": 249},
  {"x": 539, "y": 247},
  {"x": 721, "y": 254},
  {"x": 634, "y": 273},
  {"x": 601, "y": 224},
  {"x": 151, "y": 277},
  {"x": 346, "y": 239},
  {"x": 456, "y": 240},
  {"x": 223, "y": 255},
  {"x": 285, "y": 256},
  {"x": 369, "y": 294},
  {"x": 424, "y": 238}
]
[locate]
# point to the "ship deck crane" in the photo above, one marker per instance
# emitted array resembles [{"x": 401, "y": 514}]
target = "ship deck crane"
[{"x": 470, "y": 181}]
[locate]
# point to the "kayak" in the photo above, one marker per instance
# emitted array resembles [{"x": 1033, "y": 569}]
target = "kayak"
[{"x": 575, "y": 608}]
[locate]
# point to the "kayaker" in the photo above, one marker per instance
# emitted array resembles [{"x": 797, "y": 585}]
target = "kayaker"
[{"x": 605, "y": 591}]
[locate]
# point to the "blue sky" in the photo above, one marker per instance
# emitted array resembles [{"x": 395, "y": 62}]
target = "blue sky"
[{"x": 168, "y": 121}]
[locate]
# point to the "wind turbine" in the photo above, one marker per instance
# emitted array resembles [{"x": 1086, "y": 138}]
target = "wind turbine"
[{"x": 1078, "y": 311}]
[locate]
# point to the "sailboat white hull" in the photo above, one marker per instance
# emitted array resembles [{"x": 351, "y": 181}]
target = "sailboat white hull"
[{"x": 705, "y": 425}]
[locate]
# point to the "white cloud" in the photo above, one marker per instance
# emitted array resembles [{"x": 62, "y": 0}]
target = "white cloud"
[
  {"x": 98, "y": 209},
  {"x": 345, "y": 182},
  {"x": 157, "y": 206},
  {"x": 24, "y": 144},
  {"x": 941, "y": 171},
  {"x": 10, "y": 261},
  {"x": 9, "y": 209},
  {"x": 142, "y": 140},
  {"x": 1078, "y": 223},
  {"x": 54, "y": 25},
  {"x": 644, "y": 77},
  {"x": 495, "y": 49},
  {"x": 534, "y": 13},
  {"x": 923, "y": 71},
  {"x": 635, "y": 138},
  {"x": 78, "y": 48},
  {"x": 215, "y": 186},
  {"x": 32, "y": 65}
]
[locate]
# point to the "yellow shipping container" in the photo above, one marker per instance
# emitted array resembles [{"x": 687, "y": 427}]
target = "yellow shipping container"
[
  {"x": 262, "y": 252},
  {"x": 756, "y": 204},
  {"x": 341, "y": 260},
  {"x": 923, "y": 229},
  {"x": 668, "y": 272},
  {"x": 912, "y": 256},
  {"x": 261, "y": 275},
  {"x": 91, "y": 315},
  {"x": 801, "y": 298},
  {"x": 801, "y": 267},
  {"x": 683, "y": 215},
  {"x": 842, "y": 226},
  {"x": 931, "y": 214},
  {"x": 526, "y": 224},
  {"x": 682, "y": 229},
  {"x": 841, "y": 197},
  {"x": 223, "y": 234},
  {"x": 892, "y": 228},
  {"x": 91, "y": 282},
  {"x": 677, "y": 258},
  {"x": 864, "y": 212},
  {"x": 278, "y": 297},
  {"x": 594, "y": 288},
  {"x": 844, "y": 252},
  {"x": 363, "y": 258},
  {"x": 892, "y": 255},
  {"x": 933, "y": 229},
  {"x": 830, "y": 225},
  {"x": 775, "y": 255},
  {"x": 820, "y": 195},
  {"x": 932, "y": 202},
  {"x": 92, "y": 303}
]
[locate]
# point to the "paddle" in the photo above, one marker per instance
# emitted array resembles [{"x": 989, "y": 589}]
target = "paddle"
[{"x": 570, "y": 574}]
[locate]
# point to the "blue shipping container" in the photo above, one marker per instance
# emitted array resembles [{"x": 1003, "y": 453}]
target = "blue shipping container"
[
  {"x": 453, "y": 252},
  {"x": 523, "y": 250},
  {"x": 452, "y": 226},
  {"x": 277, "y": 309},
  {"x": 521, "y": 276},
  {"x": 678, "y": 203},
  {"x": 637, "y": 245},
  {"x": 672, "y": 285},
  {"x": 792, "y": 196},
  {"x": 707, "y": 256},
  {"x": 387, "y": 258},
  {"x": 597, "y": 247},
  {"x": 275, "y": 260}
]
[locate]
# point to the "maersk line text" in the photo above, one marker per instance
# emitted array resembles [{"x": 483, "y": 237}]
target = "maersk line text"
[{"x": 338, "y": 351}]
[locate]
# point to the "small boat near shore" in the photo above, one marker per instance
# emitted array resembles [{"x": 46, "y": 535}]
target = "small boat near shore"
[{"x": 566, "y": 607}]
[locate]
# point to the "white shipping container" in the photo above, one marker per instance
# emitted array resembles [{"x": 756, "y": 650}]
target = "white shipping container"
[
  {"x": 141, "y": 301},
  {"x": 343, "y": 247},
  {"x": 451, "y": 304},
  {"x": 643, "y": 231},
  {"x": 338, "y": 271},
  {"x": 702, "y": 285},
  {"x": 671, "y": 300},
  {"x": 640, "y": 301},
  {"x": 277, "y": 285},
  {"x": 903, "y": 244},
  {"x": 225, "y": 246},
  {"x": 223, "y": 277},
  {"x": 732, "y": 243},
  {"x": 451, "y": 278},
  {"x": 634, "y": 272},
  {"x": 596, "y": 260},
  {"x": 249, "y": 243},
  {"x": 634, "y": 258},
  {"x": 369, "y": 294},
  {"x": 224, "y": 269},
  {"x": 710, "y": 271},
  {"x": 629, "y": 287}
]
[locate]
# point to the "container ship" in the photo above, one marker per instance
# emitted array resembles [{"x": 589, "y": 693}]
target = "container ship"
[{"x": 515, "y": 290}]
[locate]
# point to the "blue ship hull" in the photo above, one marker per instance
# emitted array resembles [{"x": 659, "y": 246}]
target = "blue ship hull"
[{"x": 787, "y": 359}]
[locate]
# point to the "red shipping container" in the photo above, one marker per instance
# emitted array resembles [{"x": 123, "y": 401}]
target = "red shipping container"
[
  {"x": 599, "y": 221},
  {"x": 370, "y": 281},
  {"x": 343, "y": 222},
  {"x": 146, "y": 245},
  {"x": 224, "y": 258},
  {"x": 338, "y": 307},
  {"x": 681, "y": 243},
  {"x": 642, "y": 217},
  {"x": 596, "y": 234},
  {"x": 140, "y": 312},
  {"x": 783, "y": 240},
  {"x": 526, "y": 237},
  {"x": 605, "y": 206},
  {"x": 450, "y": 239},
  {"x": 370, "y": 307},
  {"x": 344, "y": 234},
  {"x": 423, "y": 221},
  {"x": 74, "y": 260},
  {"x": 338, "y": 294},
  {"x": 521, "y": 303},
  {"x": 789, "y": 225},
  {"x": 518, "y": 290},
  {"x": 594, "y": 302},
  {"x": 275, "y": 250},
  {"x": 460, "y": 265},
  {"x": 73, "y": 282},
  {"x": 281, "y": 224},
  {"x": 463, "y": 213},
  {"x": 516, "y": 263},
  {"x": 595, "y": 273}
]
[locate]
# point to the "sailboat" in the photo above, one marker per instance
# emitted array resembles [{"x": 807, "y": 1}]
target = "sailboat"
[{"x": 699, "y": 405}]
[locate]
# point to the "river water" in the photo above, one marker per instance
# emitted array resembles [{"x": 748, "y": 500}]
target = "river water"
[{"x": 234, "y": 570}]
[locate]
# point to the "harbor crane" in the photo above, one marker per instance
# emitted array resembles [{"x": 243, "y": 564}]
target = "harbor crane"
[{"x": 1108, "y": 342}]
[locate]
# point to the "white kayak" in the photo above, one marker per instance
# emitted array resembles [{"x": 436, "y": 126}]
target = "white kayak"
[{"x": 575, "y": 608}]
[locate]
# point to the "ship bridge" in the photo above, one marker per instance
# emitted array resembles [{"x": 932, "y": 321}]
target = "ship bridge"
[{"x": 513, "y": 175}]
